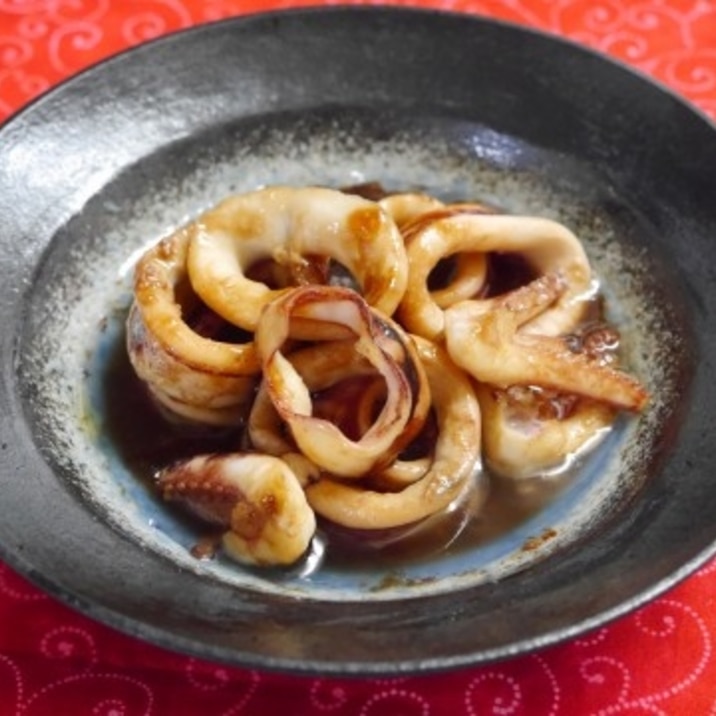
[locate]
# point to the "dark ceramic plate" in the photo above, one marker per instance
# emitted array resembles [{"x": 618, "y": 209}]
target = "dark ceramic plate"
[{"x": 463, "y": 107}]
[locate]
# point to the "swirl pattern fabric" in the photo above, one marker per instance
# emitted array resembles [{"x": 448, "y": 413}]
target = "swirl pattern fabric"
[{"x": 659, "y": 660}]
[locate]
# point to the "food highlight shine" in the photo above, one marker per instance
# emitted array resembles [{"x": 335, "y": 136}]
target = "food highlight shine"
[{"x": 381, "y": 353}]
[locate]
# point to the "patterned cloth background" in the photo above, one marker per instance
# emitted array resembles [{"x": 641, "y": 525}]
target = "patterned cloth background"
[{"x": 659, "y": 660}]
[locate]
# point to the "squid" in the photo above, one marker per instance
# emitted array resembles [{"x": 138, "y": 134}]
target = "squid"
[
  {"x": 288, "y": 225},
  {"x": 412, "y": 212},
  {"x": 405, "y": 208},
  {"x": 320, "y": 366},
  {"x": 256, "y": 500},
  {"x": 488, "y": 339},
  {"x": 316, "y": 311},
  {"x": 455, "y": 466},
  {"x": 547, "y": 246},
  {"x": 190, "y": 375},
  {"x": 529, "y": 432},
  {"x": 373, "y": 404}
]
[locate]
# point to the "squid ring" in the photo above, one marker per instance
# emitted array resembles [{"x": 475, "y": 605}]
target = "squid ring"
[
  {"x": 287, "y": 224},
  {"x": 413, "y": 211},
  {"x": 546, "y": 245},
  {"x": 189, "y": 374},
  {"x": 320, "y": 366},
  {"x": 379, "y": 341},
  {"x": 406, "y": 207},
  {"x": 456, "y": 460},
  {"x": 401, "y": 472}
]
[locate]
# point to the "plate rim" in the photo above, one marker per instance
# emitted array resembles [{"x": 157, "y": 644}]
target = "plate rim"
[{"x": 169, "y": 640}]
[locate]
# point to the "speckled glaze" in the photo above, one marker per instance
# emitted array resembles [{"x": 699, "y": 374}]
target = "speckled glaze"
[{"x": 105, "y": 165}]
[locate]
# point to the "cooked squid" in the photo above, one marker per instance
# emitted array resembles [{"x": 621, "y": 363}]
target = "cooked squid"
[
  {"x": 256, "y": 500},
  {"x": 406, "y": 207},
  {"x": 454, "y": 466},
  {"x": 372, "y": 404},
  {"x": 548, "y": 247},
  {"x": 191, "y": 375},
  {"x": 320, "y": 366},
  {"x": 467, "y": 276},
  {"x": 488, "y": 339},
  {"x": 287, "y": 225},
  {"x": 529, "y": 432},
  {"x": 378, "y": 340}
]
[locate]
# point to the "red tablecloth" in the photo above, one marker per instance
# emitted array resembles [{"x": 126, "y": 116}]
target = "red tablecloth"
[{"x": 659, "y": 660}]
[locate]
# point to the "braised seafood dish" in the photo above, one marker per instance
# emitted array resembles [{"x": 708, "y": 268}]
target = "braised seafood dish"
[{"x": 380, "y": 355}]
